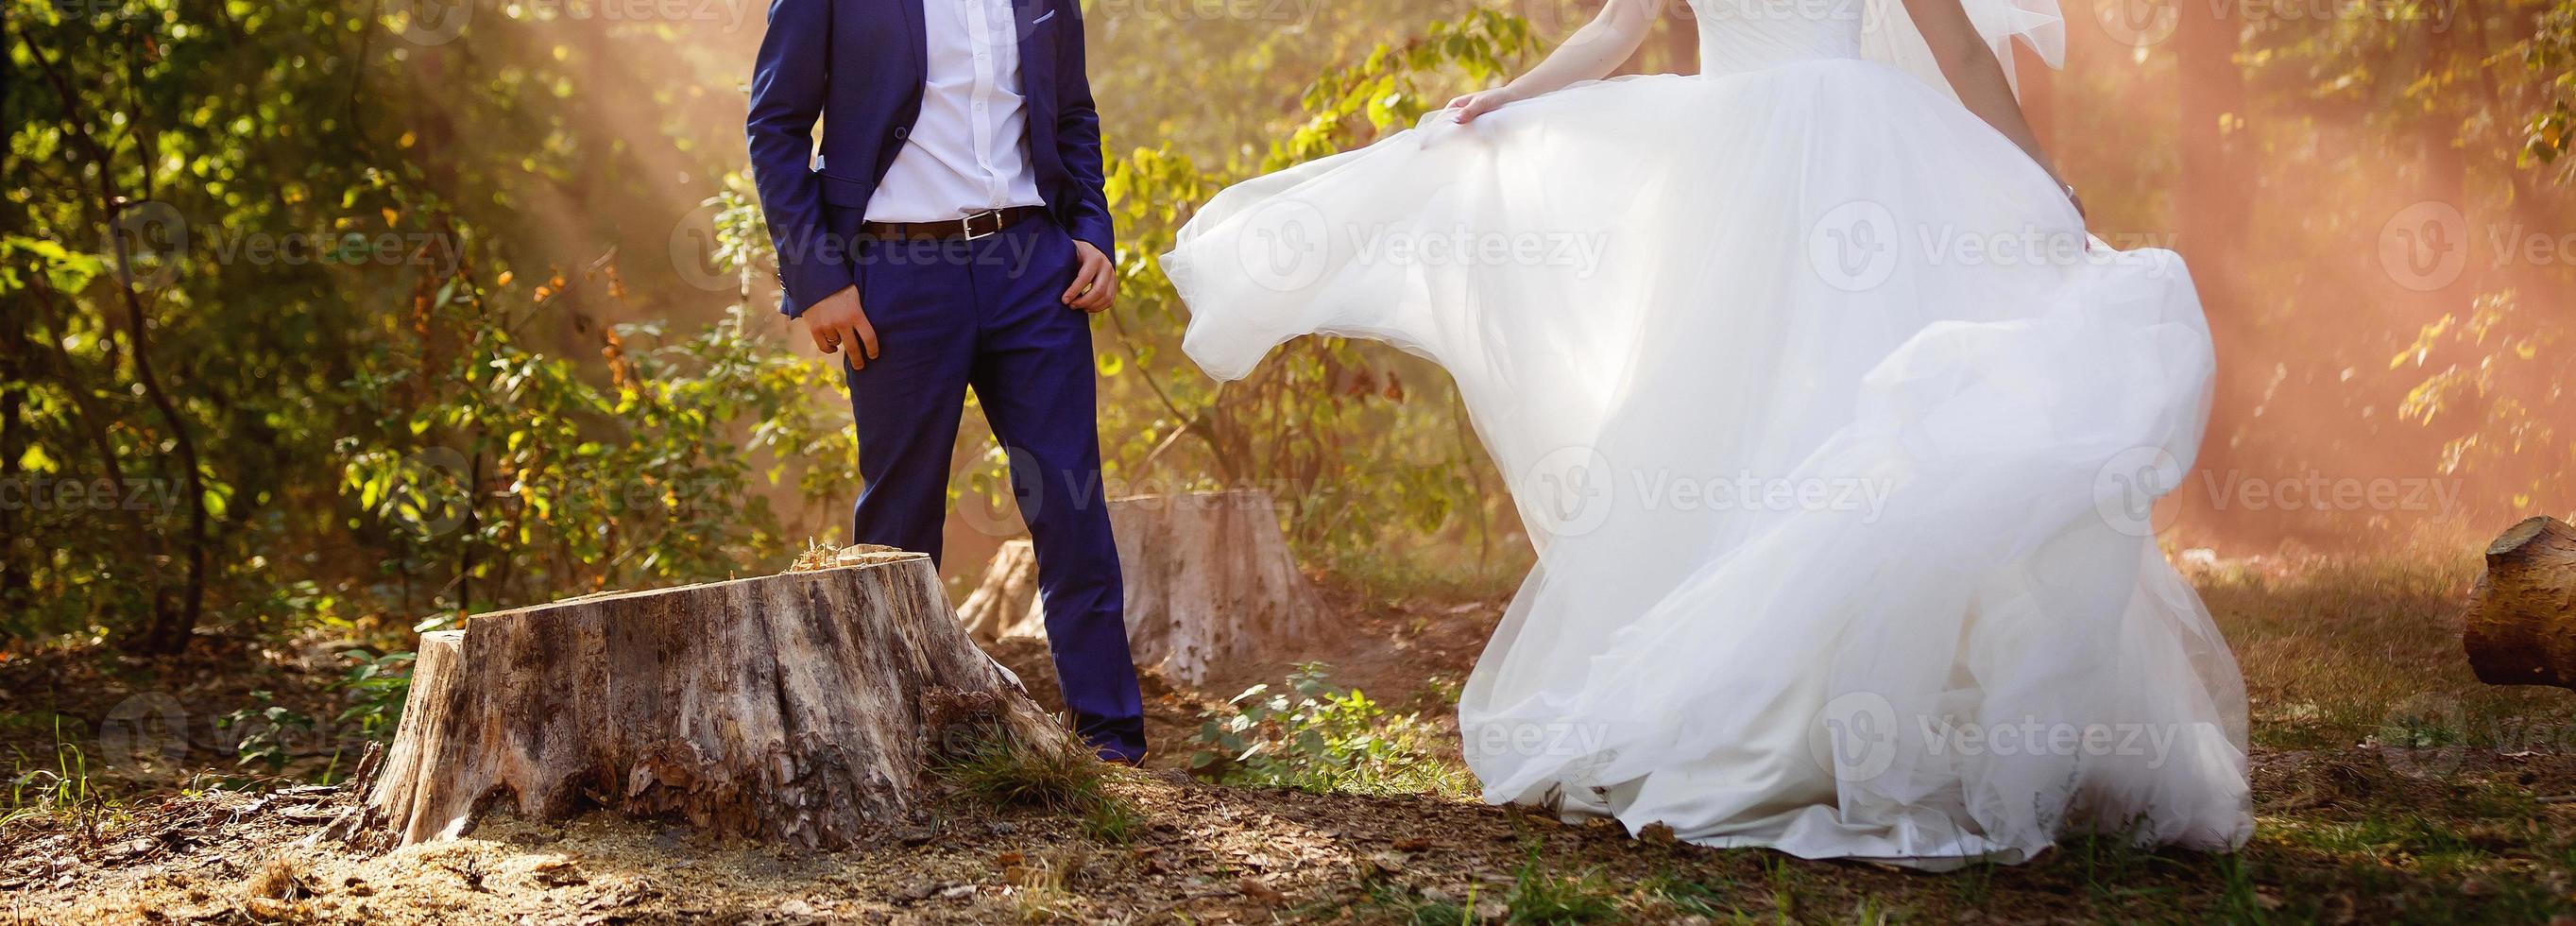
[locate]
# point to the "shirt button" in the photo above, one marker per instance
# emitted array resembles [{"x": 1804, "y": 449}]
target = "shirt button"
[{"x": 900, "y": 132}]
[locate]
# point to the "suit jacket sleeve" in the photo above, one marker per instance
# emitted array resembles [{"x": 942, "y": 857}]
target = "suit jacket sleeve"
[
  {"x": 788, "y": 83},
  {"x": 1078, "y": 134}
]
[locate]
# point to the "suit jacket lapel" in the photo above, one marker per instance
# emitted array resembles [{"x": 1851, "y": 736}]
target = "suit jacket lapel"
[{"x": 1037, "y": 48}]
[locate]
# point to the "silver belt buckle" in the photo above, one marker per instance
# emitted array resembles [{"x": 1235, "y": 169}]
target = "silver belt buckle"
[{"x": 968, "y": 223}]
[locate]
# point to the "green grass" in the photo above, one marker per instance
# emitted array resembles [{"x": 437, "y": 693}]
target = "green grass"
[
  {"x": 1310, "y": 734},
  {"x": 1393, "y": 903},
  {"x": 1546, "y": 898},
  {"x": 61, "y": 794},
  {"x": 1006, "y": 771}
]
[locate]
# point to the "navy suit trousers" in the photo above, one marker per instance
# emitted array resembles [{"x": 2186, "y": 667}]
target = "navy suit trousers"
[{"x": 987, "y": 314}]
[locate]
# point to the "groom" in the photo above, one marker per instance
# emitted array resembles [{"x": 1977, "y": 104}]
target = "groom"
[{"x": 952, "y": 232}]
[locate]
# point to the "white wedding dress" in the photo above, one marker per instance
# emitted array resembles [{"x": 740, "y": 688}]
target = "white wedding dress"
[{"x": 1833, "y": 435}]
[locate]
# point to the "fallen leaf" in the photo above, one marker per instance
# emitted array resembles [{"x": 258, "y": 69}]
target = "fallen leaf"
[{"x": 1253, "y": 888}]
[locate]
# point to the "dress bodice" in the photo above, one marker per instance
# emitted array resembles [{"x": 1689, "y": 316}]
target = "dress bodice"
[{"x": 1749, "y": 35}]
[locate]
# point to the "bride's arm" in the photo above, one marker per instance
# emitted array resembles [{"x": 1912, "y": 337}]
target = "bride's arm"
[
  {"x": 1591, "y": 53},
  {"x": 1970, "y": 65}
]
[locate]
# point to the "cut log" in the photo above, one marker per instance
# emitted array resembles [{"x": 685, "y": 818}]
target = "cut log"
[
  {"x": 797, "y": 708},
  {"x": 1209, "y": 581},
  {"x": 2521, "y": 623}
]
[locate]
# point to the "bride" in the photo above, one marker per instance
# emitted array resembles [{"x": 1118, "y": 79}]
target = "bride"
[{"x": 1834, "y": 431}]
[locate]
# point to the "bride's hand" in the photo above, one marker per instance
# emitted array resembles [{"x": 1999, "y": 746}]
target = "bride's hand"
[{"x": 1465, "y": 109}]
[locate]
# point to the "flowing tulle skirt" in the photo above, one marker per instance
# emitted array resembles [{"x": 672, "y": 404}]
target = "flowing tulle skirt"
[{"x": 1836, "y": 437}]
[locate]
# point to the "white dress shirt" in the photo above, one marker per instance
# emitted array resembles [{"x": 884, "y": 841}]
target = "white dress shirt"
[{"x": 969, "y": 151}]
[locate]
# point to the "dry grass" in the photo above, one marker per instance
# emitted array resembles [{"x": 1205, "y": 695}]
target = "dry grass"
[
  {"x": 2390, "y": 787},
  {"x": 2338, "y": 653}
]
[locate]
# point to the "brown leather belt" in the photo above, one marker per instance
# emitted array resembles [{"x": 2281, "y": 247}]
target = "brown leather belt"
[{"x": 979, "y": 225}]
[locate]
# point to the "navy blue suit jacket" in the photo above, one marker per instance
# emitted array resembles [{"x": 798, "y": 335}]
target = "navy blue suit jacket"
[{"x": 859, "y": 64}]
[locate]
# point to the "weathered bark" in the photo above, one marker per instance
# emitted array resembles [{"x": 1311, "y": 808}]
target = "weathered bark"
[
  {"x": 796, "y": 708},
  {"x": 1209, "y": 581},
  {"x": 2521, "y": 624}
]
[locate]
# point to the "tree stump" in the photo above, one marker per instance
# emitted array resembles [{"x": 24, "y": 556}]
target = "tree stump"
[
  {"x": 2521, "y": 623},
  {"x": 1002, "y": 601},
  {"x": 796, "y": 708},
  {"x": 1209, "y": 580}
]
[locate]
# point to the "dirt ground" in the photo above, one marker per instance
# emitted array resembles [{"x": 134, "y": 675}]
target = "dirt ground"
[{"x": 2390, "y": 787}]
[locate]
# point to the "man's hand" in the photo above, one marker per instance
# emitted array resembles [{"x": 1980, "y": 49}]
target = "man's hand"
[
  {"x": 837, "y": 322},
  {"x": 1095, "y": 281}
]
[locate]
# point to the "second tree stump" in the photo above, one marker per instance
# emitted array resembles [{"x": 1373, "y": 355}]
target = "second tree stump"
[
  {"x": 2521, "y": 624},
  {"x": 1209, "y": 581}
]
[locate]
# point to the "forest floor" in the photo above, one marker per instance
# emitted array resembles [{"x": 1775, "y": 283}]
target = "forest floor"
[{"x": 2390, "y": 786}]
